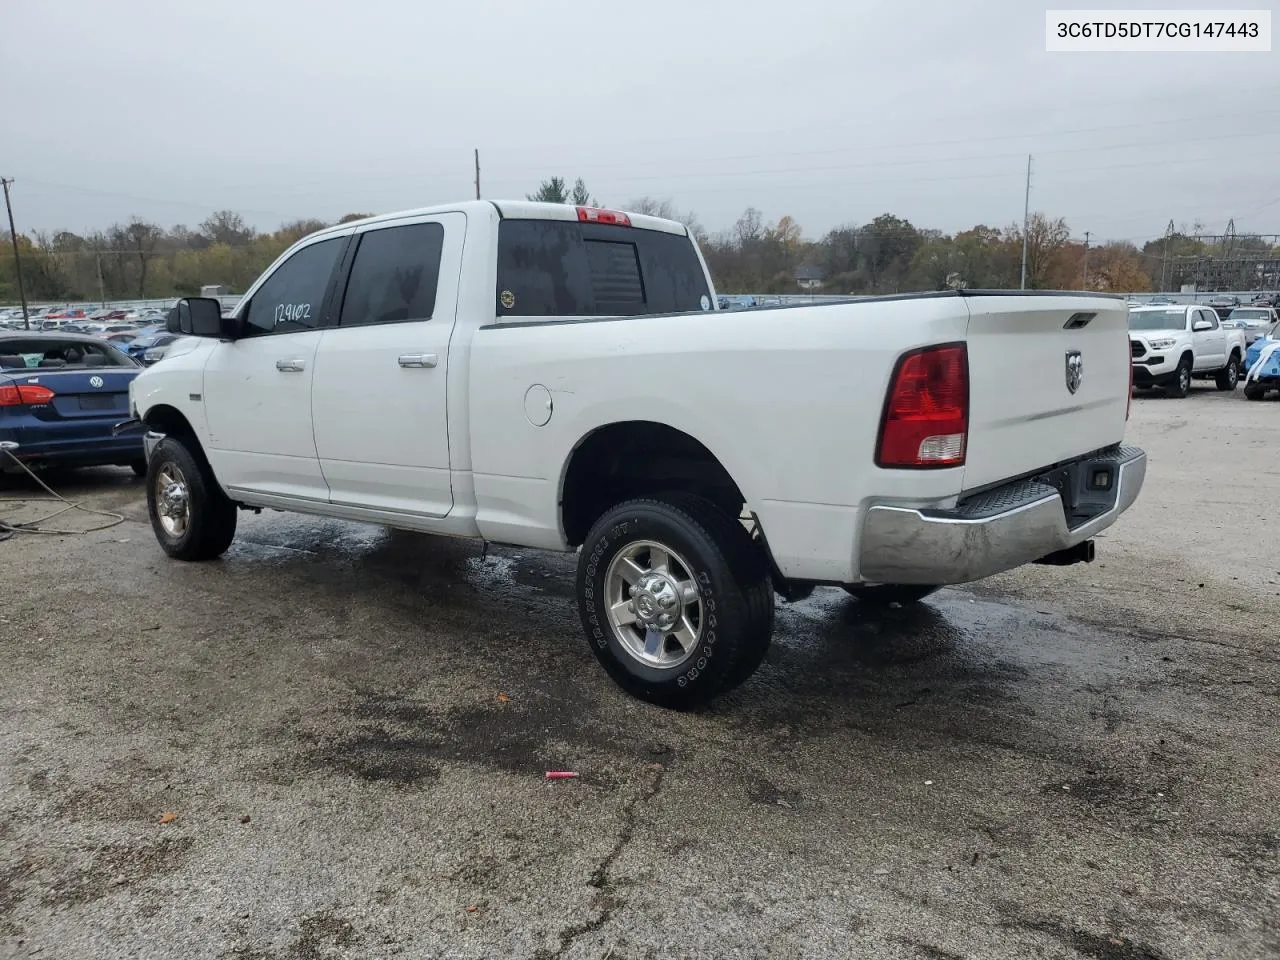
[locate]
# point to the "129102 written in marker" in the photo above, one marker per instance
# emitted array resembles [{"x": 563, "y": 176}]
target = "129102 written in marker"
[{"x": 1158, "y": 31}]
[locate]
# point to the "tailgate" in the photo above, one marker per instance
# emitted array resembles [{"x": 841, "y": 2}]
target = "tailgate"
[{"x": 1026, "y": 352}]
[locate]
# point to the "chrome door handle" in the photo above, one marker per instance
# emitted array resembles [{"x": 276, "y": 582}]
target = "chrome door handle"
[
  {"x": 418, "y": 359},
  {"x": 291, "y": 366}
]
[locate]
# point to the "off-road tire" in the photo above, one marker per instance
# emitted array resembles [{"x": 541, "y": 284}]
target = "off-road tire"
[
  {"x": 212, "y": 519},
  {"x": 735, "y": 588}
]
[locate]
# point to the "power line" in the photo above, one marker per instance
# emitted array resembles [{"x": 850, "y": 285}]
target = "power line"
[
  {"x": 1262, "y": 92},
  {"x": 882, "y": 145}
]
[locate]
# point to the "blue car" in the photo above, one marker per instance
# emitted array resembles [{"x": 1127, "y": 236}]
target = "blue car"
[
  {"x": 146, "y": 339},
  {"x": 1267, "y": 376},
  {"x": 60, "y": 396}
]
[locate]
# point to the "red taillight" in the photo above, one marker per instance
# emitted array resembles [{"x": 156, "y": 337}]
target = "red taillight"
[
  {"x": 596, "y": 215},
  {"x": 24, "y": 395},
  {"x": 926, "y": 415}
]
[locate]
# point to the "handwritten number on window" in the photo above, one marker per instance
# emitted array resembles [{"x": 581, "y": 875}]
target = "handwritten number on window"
[{"x": 292, "y": 312}]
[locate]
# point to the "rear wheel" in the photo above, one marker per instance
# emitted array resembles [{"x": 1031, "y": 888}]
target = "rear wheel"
[
  {"x": 1180, "y": 385},
  {"x": 1229, "y": 375},
  {"x": 191, "y": 516},
  {"x": 883, "y": 594},
  {"x": 675, "y": 599}
]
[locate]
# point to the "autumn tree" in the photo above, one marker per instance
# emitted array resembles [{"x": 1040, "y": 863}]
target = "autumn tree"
[
  {"x": 290, "y": 233},
  {"x": 135, "y": 242},
  {"x": 667, "y": 210},
  {"x": 226, "y": 226},
  {"x": 749, "y": 227},
  {"x": 886, "y": 247},
  {"x": 1045, "y": 241},
  {"x": 1117, "y": 268}
]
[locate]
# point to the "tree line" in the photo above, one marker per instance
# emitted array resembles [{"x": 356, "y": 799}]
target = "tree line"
[{"x": 888, "y": 254}]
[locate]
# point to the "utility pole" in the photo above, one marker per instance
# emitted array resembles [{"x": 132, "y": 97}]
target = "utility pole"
[
  {"x": 102, "y": 293},
  {"x": 1086, "y": 259},
  {"x": 17, "y": 260},
  {"x": 477, "y": 173},
  {"x": 1164, "y": 265},
  {"x": 1026, "y": 222}
]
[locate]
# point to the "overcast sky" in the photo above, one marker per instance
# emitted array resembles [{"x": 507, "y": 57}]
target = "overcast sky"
[{"x": 831, "y": 112}]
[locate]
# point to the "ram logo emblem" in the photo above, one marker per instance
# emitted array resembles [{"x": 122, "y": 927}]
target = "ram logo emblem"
[{"x": 1075, "y": 370}]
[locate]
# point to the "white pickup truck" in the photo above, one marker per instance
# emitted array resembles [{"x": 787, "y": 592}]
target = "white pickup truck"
[
  {"x": 560, "y": 378},
  {"x": 1175, "y": 343}
]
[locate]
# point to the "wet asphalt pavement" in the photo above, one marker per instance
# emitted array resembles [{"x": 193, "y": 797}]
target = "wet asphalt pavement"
[{"x": 348, "y": 730}]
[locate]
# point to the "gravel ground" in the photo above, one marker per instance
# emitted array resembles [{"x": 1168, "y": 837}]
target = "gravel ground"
[{"x": 347, "y": 729}]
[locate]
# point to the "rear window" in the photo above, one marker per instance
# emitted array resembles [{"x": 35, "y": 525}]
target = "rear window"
[
  {"x": 36, "y": 353},
  {"x": 555, "y": 268}
]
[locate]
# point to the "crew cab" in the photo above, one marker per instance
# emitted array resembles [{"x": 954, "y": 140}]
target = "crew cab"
[
  {"x": 1173, "y": 344},
  {"x": 560, "y": 377}
]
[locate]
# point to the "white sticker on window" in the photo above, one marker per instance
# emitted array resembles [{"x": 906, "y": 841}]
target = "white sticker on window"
[{"x": 705, "y": 302}]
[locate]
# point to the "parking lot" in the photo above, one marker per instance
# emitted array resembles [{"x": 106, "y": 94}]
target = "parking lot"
[{"x": 345, "y": 732}]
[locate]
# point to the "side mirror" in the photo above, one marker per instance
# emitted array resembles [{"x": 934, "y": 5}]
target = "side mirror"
[
  {"x": 199, "y": 317},
  {"x": 1201, "y": 325}
]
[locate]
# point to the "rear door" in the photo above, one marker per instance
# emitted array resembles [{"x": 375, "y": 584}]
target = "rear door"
[
  {"x": 379, "y": 397},
  {"x": 1048, "y": 381}
]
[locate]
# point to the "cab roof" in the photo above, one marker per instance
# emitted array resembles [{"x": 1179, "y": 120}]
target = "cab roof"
[{"x": 513, "y": 210}]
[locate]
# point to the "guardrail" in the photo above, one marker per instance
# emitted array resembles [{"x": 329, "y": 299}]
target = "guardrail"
[{"x": 166, "y": 303}]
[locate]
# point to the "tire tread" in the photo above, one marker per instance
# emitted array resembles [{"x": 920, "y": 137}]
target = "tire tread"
[
  {"x": 213, "y": 515},
  {"x": 747, "y": 568}
]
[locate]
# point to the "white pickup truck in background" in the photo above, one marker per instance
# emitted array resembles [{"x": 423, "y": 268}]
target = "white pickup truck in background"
[
  {"x": 560, "y": 378},
  {"x": 1173, "y": 344}
]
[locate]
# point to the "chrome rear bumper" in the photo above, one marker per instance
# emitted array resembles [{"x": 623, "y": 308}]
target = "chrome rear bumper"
[{"x": 994, "y": 531}]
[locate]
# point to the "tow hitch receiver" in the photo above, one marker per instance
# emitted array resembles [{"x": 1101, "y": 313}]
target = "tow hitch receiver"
[{"x": 1080, "y": 553}]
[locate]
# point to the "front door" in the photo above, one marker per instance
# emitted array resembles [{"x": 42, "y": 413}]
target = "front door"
[
  {"x": 257, "y": 388},
  {"x": 1210, "y": 345},
  {"x": 380, "y": 398}
]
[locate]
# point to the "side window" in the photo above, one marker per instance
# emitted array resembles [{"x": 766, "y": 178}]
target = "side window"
[
  {"x": 290, "y": 299},
  {"x": 394, "y": 275}
]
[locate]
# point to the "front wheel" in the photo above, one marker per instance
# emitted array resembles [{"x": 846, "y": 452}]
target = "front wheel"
[
  {"x": 883, "y": 594},
  {"x": 1180, "y": 386},
  {"x": 675, "y": 600},
  {"x": 1229, "y": 375},
  {"x": 1254, "y": 391},
  {"x": 191, "y": 516}
]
